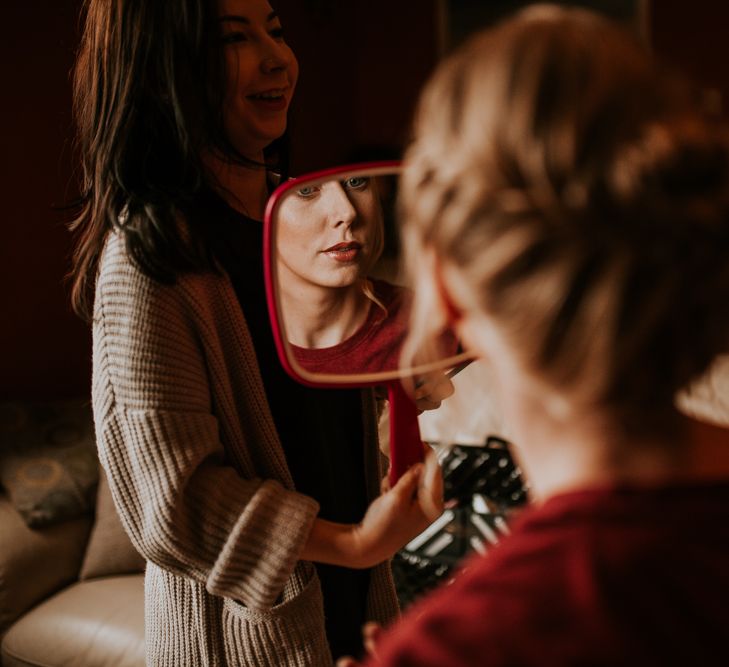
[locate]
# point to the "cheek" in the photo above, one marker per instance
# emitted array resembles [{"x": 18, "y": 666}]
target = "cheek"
[
  {"x": 481, "y": 335},
  {"x": 231, "y": 103},
  {"x": 304, "y": 238},
  {"x": 292, "y": 240},
  {"x": 367, "y": 212},
  {"x": 232, "y": 72},
  {"x": 240, "y": 70},
  {"x": 465, "y": 332},
  {"x": 293, "y": 70}
]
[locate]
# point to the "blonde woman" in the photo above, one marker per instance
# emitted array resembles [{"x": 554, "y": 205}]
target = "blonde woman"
[{"x": 566, "y": 206}]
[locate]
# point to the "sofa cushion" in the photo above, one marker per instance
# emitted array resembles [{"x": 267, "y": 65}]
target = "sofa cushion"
[
  {"x": 36, "y": 563},
  {"x": 90, "y": 624},
  {"x": 48, "y": 463},
  {"x": 110, "y": 550}
]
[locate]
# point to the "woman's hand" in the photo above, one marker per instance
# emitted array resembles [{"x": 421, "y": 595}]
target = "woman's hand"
[
  {"x": 370, "y": 635},
  {"x": 431, "y": 390},
  {"x": 391, "y": 521},
  {"x": 401, "y": 512}
]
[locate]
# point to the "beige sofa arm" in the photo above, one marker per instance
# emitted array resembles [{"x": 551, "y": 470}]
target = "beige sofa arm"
[{"x": 35, "y": 562}]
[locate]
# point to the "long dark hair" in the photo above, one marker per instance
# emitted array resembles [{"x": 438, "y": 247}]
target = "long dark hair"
[{"x": 148, "y": 93}]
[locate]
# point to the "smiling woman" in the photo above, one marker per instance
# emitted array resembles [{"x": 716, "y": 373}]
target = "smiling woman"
[
  {"x": 261, "y": 74},
  {"x": 252, "y": 498}
]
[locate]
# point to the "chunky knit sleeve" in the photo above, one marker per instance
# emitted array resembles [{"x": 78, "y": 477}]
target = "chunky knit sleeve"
[{"x": 181, "y": 494}]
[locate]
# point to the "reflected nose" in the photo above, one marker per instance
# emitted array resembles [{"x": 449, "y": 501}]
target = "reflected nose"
[{"x": 341, "y": 212}]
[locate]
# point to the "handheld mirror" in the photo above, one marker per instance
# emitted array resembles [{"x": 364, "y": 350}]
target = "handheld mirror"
[{"x": 339, "y": 311}]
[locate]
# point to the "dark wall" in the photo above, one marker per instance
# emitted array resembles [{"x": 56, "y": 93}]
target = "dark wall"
[
  {"x": 361, "y": 67},
  {"x": 44, "y": 348},
  {"x": 692, "y": 36}
]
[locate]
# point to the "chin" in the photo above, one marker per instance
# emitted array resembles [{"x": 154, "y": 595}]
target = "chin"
[
  {"x": 270, "y": 134},
  {"x": 250, "y": 146}
]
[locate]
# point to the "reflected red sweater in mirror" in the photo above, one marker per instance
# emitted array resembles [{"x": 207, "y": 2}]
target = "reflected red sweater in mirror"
[{"x": 375, "y": 347}]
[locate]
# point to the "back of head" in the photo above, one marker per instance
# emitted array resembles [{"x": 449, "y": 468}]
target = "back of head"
[{"x": 584, "y": 198}]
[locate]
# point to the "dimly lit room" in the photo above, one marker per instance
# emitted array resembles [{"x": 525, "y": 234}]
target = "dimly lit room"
[{"x": 364, "y": 334}]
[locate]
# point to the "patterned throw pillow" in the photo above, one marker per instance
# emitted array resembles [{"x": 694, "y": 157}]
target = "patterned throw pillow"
[
  {"x": 109, "y": 551},
  {"x": 48, "y": 462}
]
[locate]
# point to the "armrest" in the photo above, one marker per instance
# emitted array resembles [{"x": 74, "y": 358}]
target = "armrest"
[{"x": 35, "y": 563}]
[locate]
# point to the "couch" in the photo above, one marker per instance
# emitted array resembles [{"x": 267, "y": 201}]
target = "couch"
[
  {"x": 71, "y": 584},
  {"x": 71, "y": 591}
]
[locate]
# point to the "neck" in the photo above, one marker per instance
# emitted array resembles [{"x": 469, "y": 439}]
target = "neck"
[
  {"x": 243, "y": 187},
  {"x": 564, "y": 448},
  {"x": 317, "y": 317}
]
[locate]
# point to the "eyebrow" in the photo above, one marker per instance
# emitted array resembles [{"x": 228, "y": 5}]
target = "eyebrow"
[{"x": 242, "y": 19}]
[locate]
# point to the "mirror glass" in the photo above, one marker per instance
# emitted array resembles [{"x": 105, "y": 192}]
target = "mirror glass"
[{"x": 335, "y": 269}]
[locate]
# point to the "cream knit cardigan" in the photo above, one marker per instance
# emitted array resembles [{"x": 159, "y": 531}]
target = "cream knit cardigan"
[{"x": 199, "y": 477}]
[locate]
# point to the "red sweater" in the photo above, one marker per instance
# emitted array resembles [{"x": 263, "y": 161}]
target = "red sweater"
[
  {"x": 609, "y": 577},
  {"x": 375, "y": 346}
]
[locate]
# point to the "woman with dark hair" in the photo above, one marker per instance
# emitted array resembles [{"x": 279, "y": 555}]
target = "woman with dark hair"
[
  {"x": 566, "y": 208},
  {"x": 244, "y": 491}
]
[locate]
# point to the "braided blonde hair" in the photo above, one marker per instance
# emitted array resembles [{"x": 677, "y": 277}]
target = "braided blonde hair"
[{"x": 583, "y": 197}]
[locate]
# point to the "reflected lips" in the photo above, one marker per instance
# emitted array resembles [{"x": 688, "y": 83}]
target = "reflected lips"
[{"x": 344, "y": 252}]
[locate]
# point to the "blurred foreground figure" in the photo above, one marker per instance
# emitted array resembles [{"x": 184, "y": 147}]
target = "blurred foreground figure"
[{"x": 566, "y": 209}]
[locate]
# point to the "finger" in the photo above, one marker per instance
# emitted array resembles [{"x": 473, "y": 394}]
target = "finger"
[
  {"x": 436, "y": 389},
  {"x": 371, "y": 634},
  {"x": 346, "y": 661},
  {"x": 424, "y": 389},
  {"x": 446, "y": 388},
  {"x": 427, "y": 404},
  {"x": 372, "y": 630},
  {"x": 406, "y": 486},
  {"x": 432, "y": 475},
  {"x": 371, "y": 647},
  {"x": 430, "y": 489},
  {"x": 437, "y": 385}
]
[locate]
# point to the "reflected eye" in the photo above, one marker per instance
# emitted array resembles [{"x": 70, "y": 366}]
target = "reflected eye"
[
  {"x": 307, "y": 192},
  {"x": 356, "y": 183}
]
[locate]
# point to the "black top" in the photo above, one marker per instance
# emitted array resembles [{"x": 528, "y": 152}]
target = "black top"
[{"x": 321, "y": 430}]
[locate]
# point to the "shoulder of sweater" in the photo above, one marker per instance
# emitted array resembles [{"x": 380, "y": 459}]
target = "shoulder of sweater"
[
  {"x": 121, "y": 280},
  {"x": 149, "y": 338}
]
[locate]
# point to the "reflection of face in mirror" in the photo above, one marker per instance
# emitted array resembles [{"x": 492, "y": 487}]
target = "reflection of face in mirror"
[
  {"x": 329, "y": 235},
  {"x": 337, "y": 317},
  {"x": 341, "y": 308}
]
